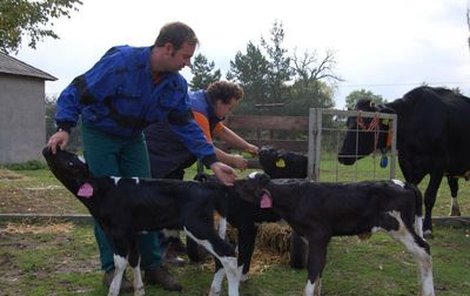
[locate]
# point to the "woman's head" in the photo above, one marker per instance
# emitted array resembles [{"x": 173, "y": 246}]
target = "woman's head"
[{"x": 224, "y": 96}]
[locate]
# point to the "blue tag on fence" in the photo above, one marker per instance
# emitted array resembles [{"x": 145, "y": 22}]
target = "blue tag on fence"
[{"x": 384, "y": 161}]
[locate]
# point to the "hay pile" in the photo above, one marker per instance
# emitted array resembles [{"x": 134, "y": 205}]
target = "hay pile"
[{"x": 272, "y": 245}]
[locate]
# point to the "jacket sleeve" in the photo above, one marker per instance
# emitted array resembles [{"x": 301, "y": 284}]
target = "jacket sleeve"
[
  {"x": 89, "y": 88},
  {"x": 203, "y": 123},
  {"x": 183, "y": 124}
]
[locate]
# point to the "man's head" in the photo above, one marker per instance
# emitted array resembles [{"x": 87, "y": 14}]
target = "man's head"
[
  {"x": 224, "y": 96},
  {"x": 173, "y": 48}
]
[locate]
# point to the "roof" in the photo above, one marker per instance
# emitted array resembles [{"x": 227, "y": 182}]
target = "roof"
[{"x": 10, "y": 65}]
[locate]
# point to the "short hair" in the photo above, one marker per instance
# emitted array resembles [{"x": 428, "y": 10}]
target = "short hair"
[
  {"x": 176, "y": 33},
  {"x": 224, "y": 91}
]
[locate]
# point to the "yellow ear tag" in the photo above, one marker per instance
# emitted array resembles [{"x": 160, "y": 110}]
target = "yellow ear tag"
[{"x": 280, "y": 163}]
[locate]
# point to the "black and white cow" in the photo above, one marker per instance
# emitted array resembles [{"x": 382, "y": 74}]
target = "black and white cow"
[
  {"x": 126, "y": 206},
  {"x": 432, "y": 138},
  {"x": 318, "y": 211}
]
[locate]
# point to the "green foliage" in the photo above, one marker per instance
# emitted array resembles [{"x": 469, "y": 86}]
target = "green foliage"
[
  {"x": 279, "y": 71},
  {"x": 204, "y": 73},
  {"x": 357, "y": 95},
  {"x": 251, "y": 71},
  {"x": 21, "y": 18},
  {"x": 314, "y": 94},
  {"x": 25, "y": 166},
  {"x": 275, "y": 78}
]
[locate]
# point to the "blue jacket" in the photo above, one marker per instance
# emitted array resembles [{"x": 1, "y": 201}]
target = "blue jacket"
[
  {"x": 119, "y": 96},
  {"x": 166, "y": 151}
]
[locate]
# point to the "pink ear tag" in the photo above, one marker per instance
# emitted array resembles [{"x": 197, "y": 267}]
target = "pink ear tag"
[
  {"x": 86, "y": 190},
  {"x": 266, "y": 201}
]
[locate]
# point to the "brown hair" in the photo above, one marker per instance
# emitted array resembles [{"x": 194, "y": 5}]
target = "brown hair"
[
  {"x": 176, "y": 33},
  {"x": 224, "y": 91}
]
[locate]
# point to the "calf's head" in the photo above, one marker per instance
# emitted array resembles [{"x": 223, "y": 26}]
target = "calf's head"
[
  {"x": 253, "y": 189},
  {"x": 66, "y": 167},
  {"x": 279, "y": 163}
]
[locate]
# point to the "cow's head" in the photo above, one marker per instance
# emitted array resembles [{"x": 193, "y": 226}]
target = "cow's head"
[
  {"x": 365, "y": 134},
  {"x": 252, "y": 188},
  {"x": 66, "y": 167},
  {"x": 278, "y": 163}
]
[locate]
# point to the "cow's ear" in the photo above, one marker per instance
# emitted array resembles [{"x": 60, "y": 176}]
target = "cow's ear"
[{"x": 372, "y": 105}]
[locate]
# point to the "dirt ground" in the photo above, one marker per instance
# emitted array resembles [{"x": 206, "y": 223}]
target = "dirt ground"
[{"x": 28, "y": 195}]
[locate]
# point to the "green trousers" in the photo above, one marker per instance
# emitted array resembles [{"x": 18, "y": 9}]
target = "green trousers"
[{"x": 108, "y": 155}]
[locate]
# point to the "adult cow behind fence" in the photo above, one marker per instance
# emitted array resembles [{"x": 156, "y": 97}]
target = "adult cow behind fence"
[{"x": 432, "y": 138}]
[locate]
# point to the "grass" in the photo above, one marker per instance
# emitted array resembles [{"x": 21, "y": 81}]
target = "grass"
[{"x": 61, "y": 258}]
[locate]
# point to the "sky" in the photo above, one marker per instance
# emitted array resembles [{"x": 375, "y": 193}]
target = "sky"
[{"x": 385, "y": 46}]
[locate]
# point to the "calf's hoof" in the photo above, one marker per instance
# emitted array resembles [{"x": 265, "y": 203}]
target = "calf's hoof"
[
  {"x": 126, "y": 285},
  {"x": 427, "y": 234}
]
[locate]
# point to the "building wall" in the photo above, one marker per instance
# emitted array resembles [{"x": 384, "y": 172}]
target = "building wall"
[{"x": 22, "y": 122}]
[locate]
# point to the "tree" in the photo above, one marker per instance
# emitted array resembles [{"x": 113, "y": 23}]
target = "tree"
[
  {"x": 311, "y": 77},
  {"x": 357, "y": 95},
  {"x": 203, "y": 72},
  {"x": 279, "y": 71},
  {"x": 298, "y": 82},
  {"x": 308, "y": 70},
  {"x": 32, "y": 19},
  {"x": 251, "y": 71}
]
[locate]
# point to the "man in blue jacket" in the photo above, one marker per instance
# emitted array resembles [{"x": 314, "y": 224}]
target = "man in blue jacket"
[{"x": 125, "y": 91}]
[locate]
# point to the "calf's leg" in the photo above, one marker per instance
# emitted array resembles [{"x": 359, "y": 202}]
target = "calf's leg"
[
  {"x": 225, "y": 254},
  {"x": 120, "y": 264},
  {"x": 246, "y": 245},
  {"x": 134, "y": 262},
  {"x": 219, "y": 273},
  {"x": 419, "y": 248},
  {"x": 316, "y": 263}
]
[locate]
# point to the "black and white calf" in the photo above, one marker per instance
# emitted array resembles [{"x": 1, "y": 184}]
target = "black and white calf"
[
  {"x": 243, "y": 216},
  {"x": 319, "y": 211},
  {"x": 280, "y": 163},
  {"x": 126, "y": 206}
]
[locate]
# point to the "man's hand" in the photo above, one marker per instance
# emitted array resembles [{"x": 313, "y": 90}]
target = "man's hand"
[
  {"x": 60, "y": 138},
  {"x": 224, "y": 173}
]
